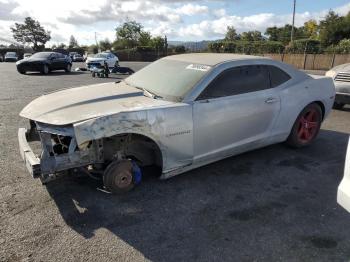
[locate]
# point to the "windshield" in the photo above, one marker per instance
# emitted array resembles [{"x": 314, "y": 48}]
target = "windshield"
[
  {"x": 101, "y": 55},
  {"x": 11, "y": 54},
  {"x": 167, "y": 78},
  {"x": 41, "y": 55}
]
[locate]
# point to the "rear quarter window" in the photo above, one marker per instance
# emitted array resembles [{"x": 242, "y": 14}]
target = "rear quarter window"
[{"x": 277, "y": 76}]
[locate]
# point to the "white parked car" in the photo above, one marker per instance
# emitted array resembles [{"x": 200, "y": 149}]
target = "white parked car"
[
  {"x": 341, "y": 76},
  {"x": 11, "y": 57},
  {"x": 343, "y": 196},
  {"x": 178, "y": 113},
  {"x": 99, "y": 59},
  {"x": 27, "y": 55}
]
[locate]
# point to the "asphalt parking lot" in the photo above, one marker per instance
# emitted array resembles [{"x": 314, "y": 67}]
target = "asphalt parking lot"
[{"x": 271, "y": 204}]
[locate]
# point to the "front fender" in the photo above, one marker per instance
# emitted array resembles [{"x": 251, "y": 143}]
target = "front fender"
[{"x": 170, "y": 128}]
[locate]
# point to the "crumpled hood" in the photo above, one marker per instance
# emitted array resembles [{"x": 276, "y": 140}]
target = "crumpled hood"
[{"x": 73, "y": 105}]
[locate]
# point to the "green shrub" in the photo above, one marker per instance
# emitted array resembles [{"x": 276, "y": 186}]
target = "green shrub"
[
  {"x": 247, "y": 47},
  {"x": 308, "y": 46},
  {"x": 342, "y": 48}
]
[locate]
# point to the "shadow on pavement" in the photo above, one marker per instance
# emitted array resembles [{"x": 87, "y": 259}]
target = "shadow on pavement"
[
  {"x": 268, "y": 203},
  {"x": 55, "y": 73}
]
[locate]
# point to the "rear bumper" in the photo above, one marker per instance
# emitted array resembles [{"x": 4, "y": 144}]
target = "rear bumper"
[
  {"x": 343, "y": 196},
  {"x": 10, "y": 59},
  {"x": 93, "y": 64},
  {"x": 31, "y": 161}
]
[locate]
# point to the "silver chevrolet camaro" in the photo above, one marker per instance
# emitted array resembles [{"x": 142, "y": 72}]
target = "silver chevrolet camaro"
[{"x": 178, "y": 113}]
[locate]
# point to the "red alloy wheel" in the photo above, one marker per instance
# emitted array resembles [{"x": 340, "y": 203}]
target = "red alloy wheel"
[{"x": 308, "y": 125}]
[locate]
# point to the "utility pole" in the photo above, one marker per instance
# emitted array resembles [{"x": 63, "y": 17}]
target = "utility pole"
[
  {"x": 98, "y": 47},
  {"x": 292, "y": 33}
]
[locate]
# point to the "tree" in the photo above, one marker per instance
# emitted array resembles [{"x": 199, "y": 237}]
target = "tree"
[
  {"x": 92, "y": 49},
  {"x": 180, "y": 49},
  {"x": 61, "y": 46},
  {"x": 252, "y": 36},
  {"x": 311, "y": 29},
  {"x": 282, "y": 34},
  {"x": 105, "y": 44},
  {"x": 72, "y": 42},
  {"x": 31, "y": 32},
  {"x": 129, "y": 33},
  {"x": 332, "y": 29},
  {"x": 272, "y": 33},
  {"x": 158, "y": 43},
  {"x": 145, "y": 38},
  {"x": 231, "y": 34}
]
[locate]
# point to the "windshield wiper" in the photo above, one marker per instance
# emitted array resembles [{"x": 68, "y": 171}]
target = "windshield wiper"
[
  {"x": 146, "y": 92},
  {"x": 151, "y": 94}
]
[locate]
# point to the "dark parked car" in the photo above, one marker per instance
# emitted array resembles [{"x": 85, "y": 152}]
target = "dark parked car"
[
  {"x": 44, "y": 62},
  {"x": 11, "y": 57}
]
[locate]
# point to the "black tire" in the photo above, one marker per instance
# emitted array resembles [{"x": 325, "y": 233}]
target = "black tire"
[
  {"x": 45, "y": 70},
  {"x": 297, "y": 137},
  {"x": 118, "y": 177},
  {"x": 22, "y": 72},
  {"x": 338, "y": 106},
  {"x": 68, "y": 68},
  {"x": 93, "y": 74}
]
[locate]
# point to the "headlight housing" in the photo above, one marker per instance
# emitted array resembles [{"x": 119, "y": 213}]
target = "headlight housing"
[{"x": 331, "y": 74}]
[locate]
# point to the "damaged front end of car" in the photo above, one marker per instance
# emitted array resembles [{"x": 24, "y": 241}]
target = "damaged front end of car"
[{"x": 59, "y": 150}]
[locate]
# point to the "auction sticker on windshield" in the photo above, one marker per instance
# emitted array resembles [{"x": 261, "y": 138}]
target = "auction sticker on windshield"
[{"x": 198, "y": 67}]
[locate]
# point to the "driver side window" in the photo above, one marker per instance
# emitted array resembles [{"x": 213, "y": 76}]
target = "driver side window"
[{"x": 237, "y": 80}]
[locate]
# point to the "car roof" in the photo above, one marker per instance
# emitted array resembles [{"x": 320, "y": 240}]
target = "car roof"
[{"x": 211, "y": 59}]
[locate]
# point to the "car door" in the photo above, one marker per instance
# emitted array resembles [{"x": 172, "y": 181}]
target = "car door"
[
  {"x": 234, "y": 113},
  {"x": 54, "y": 63},
  {"x": 62, "y": 64}
]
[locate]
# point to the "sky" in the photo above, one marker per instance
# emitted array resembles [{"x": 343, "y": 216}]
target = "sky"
[{"x": 180, "y": 20}]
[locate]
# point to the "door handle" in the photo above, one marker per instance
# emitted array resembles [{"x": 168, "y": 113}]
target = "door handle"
[
  {"x": 204, "y": 101},
  {"x": 271, "y": 100}
]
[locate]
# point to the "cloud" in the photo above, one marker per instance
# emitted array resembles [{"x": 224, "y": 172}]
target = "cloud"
[
  {"x": 216, "y": 28},
  {"x": 8, "y": 10},
  {"x": 190, "y": 9},
  {"x": 178, "y": 19},
  {"x": 135, "y": 10},
  {"x": 219, "y": 12}
]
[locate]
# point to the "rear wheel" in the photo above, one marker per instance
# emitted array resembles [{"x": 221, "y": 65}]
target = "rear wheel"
[
  {"x": 337, "y": 105},
  {"x": 21, "y": 72},
  {"x": 306, "y": 127},
  {"x": 68, "y": 68}
]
